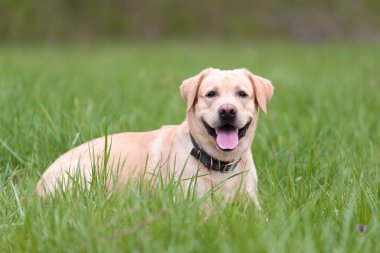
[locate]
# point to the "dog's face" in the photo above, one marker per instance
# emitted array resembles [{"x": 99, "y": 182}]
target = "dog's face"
[{"x": 223, "y": 109}]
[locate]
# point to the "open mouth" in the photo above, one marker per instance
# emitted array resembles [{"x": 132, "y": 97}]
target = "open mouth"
[{"x": 227, "y": 136}]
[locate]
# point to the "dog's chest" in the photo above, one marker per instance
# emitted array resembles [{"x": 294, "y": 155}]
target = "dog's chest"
[{"x": 208, "y": 182}]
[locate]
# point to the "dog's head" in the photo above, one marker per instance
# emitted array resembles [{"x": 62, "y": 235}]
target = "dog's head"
[{"x": 223, "y": 108}]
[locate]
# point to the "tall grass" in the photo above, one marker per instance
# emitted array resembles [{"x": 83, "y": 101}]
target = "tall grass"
[{"x": 316, "y": 152}]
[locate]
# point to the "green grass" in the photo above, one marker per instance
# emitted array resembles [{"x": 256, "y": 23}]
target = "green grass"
[{"x": 316, "y": 152}]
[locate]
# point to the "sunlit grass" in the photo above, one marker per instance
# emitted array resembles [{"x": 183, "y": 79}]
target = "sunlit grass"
[{"x": 316, "y": 152}]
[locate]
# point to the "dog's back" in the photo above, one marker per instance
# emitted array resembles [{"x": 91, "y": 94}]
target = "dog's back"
[{"x": 127, "y": 155}]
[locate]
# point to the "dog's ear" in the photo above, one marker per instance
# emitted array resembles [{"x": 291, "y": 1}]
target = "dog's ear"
[
  {"x": 262, "y": 87},
  {"x": 189, "y": 88}
]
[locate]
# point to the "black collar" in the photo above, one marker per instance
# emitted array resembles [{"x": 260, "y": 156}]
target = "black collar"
[{"x": 208, "y": 161}]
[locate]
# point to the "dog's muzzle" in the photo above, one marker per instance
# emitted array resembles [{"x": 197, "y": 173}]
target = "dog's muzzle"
[{"x": 227, "y": 136}]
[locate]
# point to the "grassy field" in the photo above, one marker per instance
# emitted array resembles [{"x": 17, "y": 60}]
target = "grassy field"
[{"x": 317, "y": 151}]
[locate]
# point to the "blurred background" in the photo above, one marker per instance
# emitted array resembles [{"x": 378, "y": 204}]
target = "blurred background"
[
  {"x": 156, "y": 20},
  {"x": 74, "y": 70}
]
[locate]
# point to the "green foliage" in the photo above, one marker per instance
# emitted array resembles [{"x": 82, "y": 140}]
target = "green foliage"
[
  {"x": 84, "y": 20},
  {"x": 316, "y": 151}
]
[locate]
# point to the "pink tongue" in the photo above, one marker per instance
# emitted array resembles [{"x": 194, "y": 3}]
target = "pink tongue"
[{"x": 227, "y": 138}]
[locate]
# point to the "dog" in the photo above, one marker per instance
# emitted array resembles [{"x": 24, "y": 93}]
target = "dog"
[{"x": 214, "y": 140}]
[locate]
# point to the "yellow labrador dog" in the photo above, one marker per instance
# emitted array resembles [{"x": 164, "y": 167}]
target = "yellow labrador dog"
[{"x": 214, "y": 140}]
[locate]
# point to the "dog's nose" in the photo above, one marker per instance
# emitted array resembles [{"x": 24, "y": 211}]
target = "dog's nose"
[{"x": 227, "y": 112}]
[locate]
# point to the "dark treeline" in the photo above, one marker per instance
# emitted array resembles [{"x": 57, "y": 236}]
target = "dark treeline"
[{"x": 61, "y": 20}]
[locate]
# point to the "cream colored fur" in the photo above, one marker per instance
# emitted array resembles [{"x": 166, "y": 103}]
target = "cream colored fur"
[{"x": 136, "y": 153}]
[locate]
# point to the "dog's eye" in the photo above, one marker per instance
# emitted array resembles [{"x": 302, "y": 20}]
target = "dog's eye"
[
  {"x": 242, "y": 94},
  {"x": 211, "y": 94}
]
